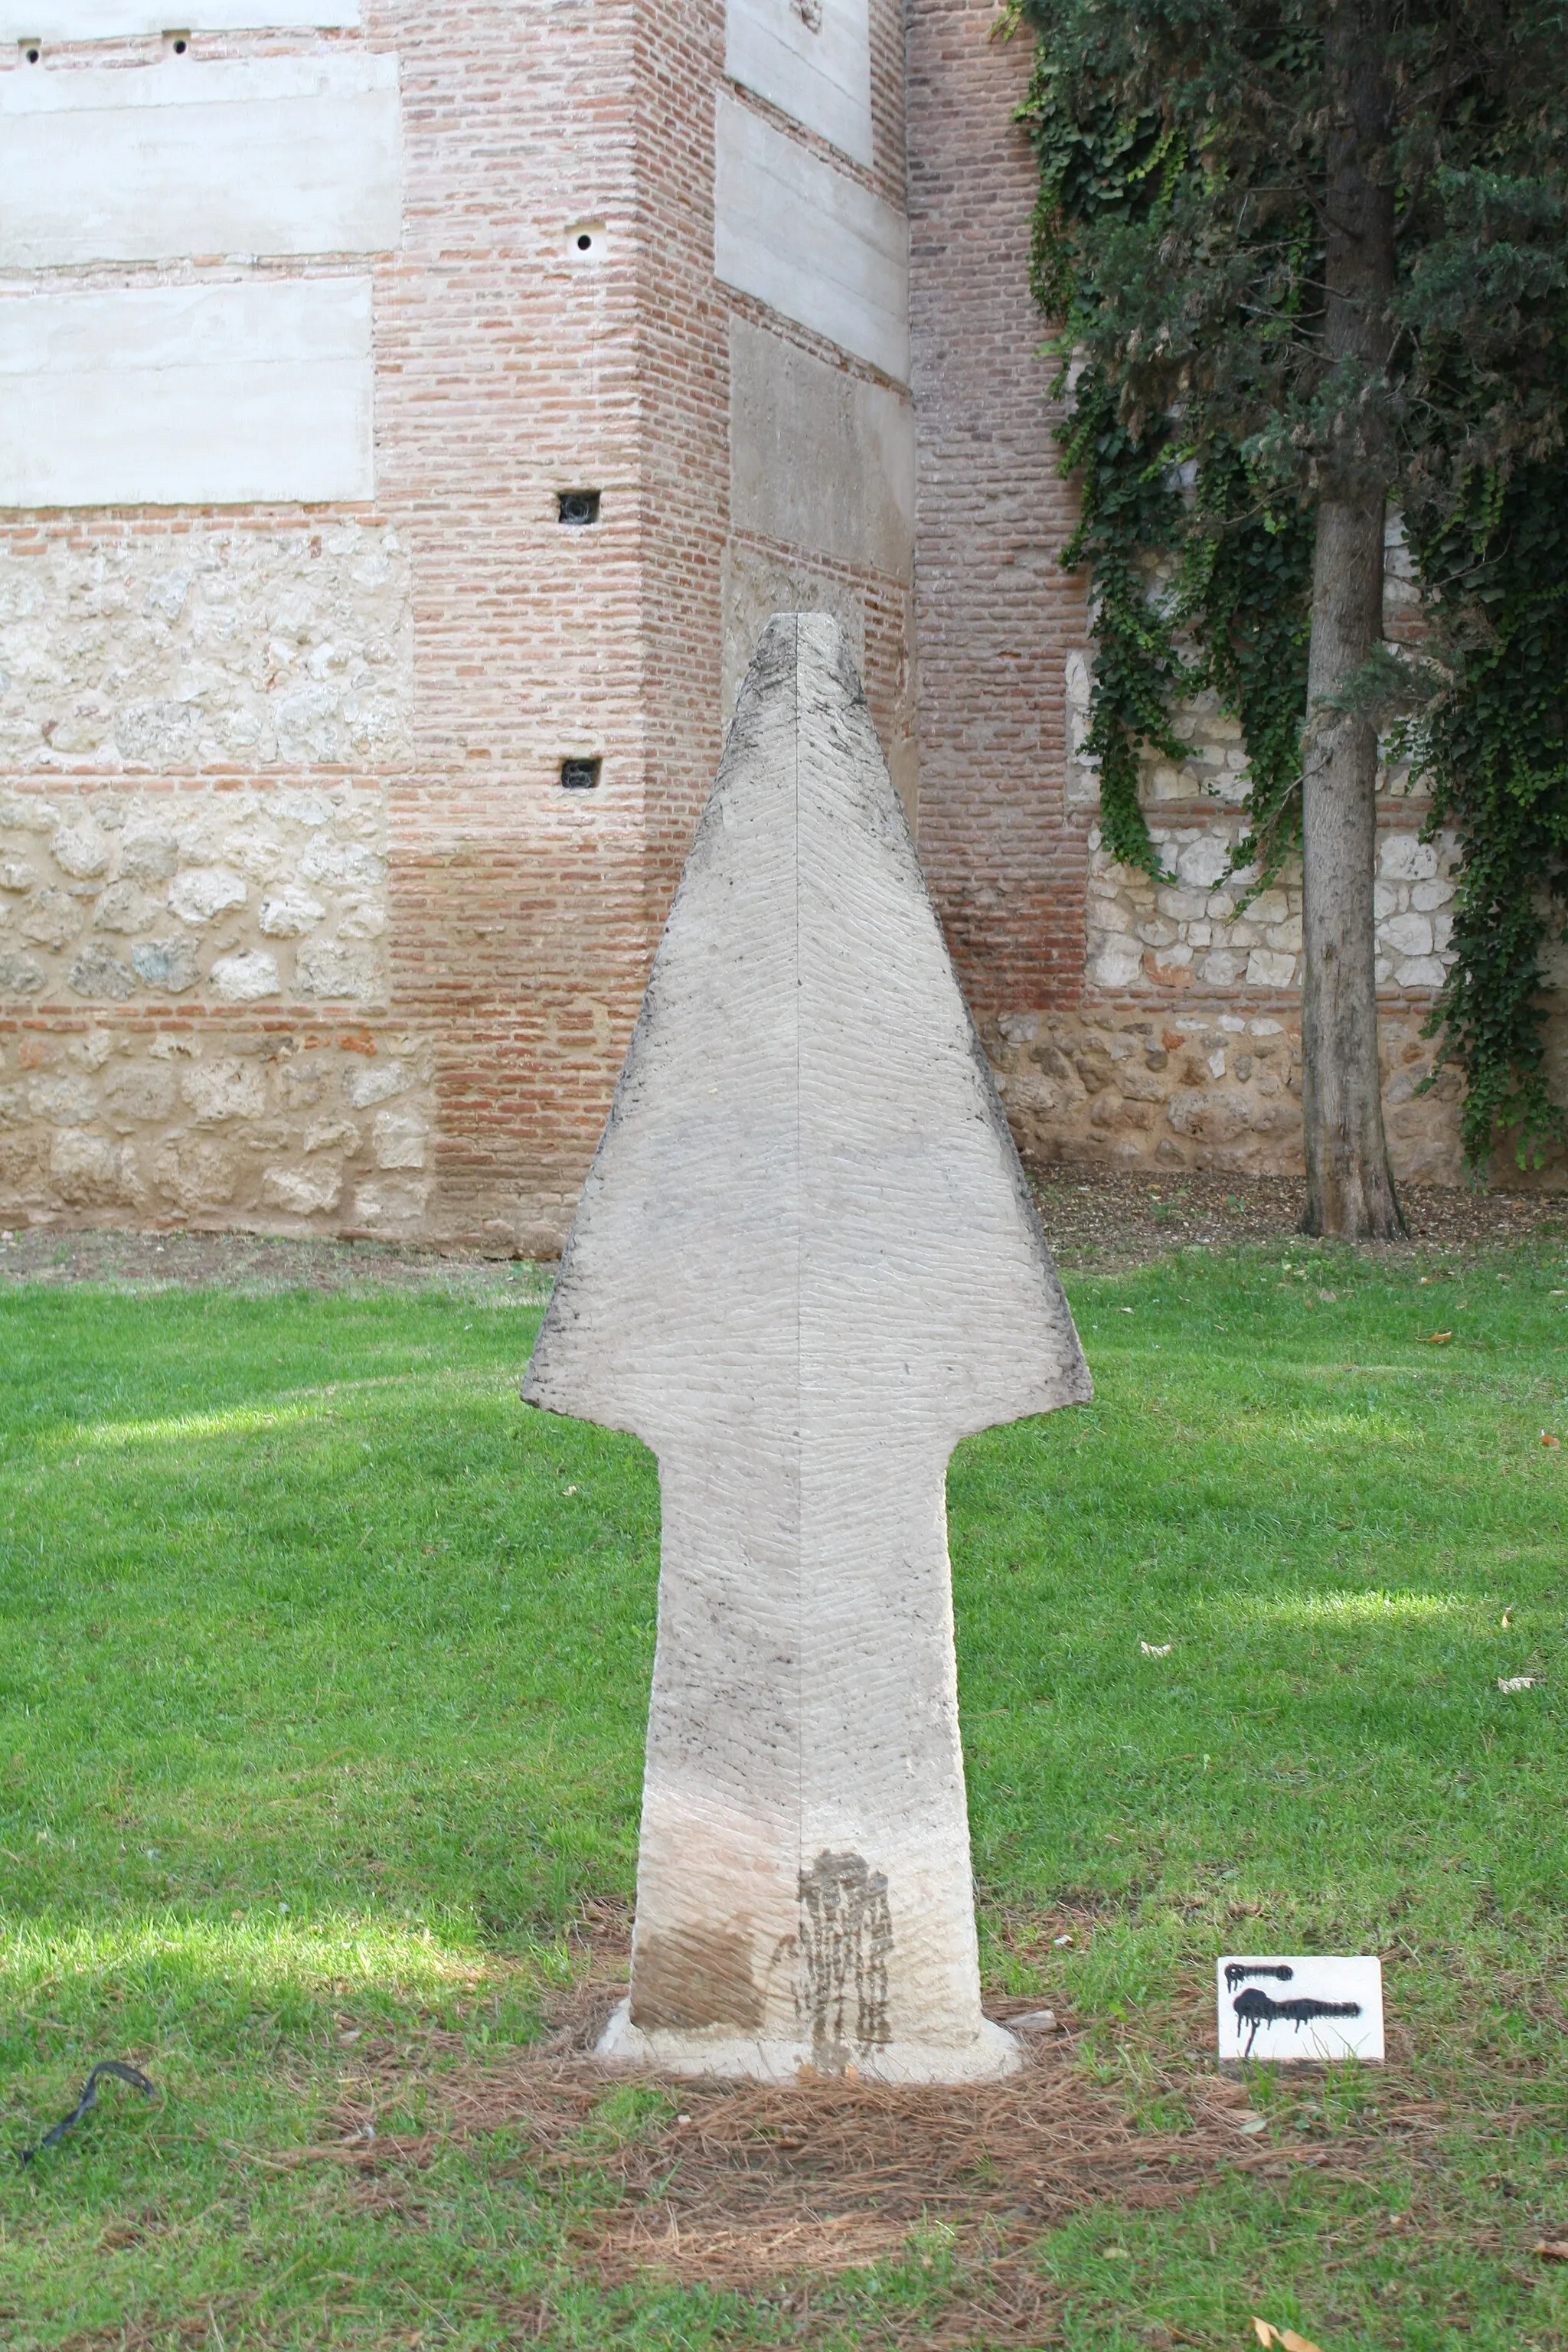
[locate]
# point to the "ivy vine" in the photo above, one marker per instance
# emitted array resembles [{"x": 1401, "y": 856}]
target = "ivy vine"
[
  {"x": 1232, "y": 611},
  {"x": 1494, "y": 748}
]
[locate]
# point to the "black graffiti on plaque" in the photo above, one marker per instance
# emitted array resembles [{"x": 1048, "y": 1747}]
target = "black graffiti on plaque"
[
  {"x": 1255, "y": 2010},
  {"x": 1237, "y": 1971}
]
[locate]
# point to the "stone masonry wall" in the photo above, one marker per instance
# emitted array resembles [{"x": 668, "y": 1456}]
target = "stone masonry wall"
[
  {"x": 304, "y": 931},
  {"x": 186, "y": 643},
  {"x": 1183, "y": 1048},
  {"x": 134, "y": 904},
  {"x": 299, "y": 929}
]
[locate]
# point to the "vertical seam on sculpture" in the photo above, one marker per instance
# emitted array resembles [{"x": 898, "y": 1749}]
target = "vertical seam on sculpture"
[{"x": 799, "y": 1367}]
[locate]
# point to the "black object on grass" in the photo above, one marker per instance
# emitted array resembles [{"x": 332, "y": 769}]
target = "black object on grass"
[{"x": 88, "y": 2100}]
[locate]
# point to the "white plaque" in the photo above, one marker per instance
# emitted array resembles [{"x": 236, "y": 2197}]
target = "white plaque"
[{"x": 1286, "y": 2008}]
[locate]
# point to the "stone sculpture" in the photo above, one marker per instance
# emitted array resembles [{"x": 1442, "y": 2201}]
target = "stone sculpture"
[{"x": 804, "y": 1265}]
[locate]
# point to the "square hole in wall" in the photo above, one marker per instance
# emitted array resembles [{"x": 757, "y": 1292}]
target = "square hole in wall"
[
  {"x": 579, "y": 775},
  {"x": 32, "y": 51},
  {"x": 577, "y": 508},
  {"x": 176, "y": 43}
]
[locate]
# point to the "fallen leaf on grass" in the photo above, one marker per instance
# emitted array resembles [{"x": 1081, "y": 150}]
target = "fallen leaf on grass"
[
  {"x": 1517, "y": 1682},
  {"x": 1438, "y": 1339},
  {"x": 1155, "y": 1649},
  {"x": 1253, "y": 2124},
  {"x": 1268, "y": 2334},
  {"x": 1547, "y": 1438},
  {"x": 1551, "y": 2249}
]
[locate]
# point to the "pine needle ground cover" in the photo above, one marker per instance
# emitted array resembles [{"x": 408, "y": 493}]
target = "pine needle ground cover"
[{"x": 323, "y": 1667}]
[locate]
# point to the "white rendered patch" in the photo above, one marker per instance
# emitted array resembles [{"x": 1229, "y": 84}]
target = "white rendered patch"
[
  {"x": 812, "y": 59},
  {"x": 187, "y": 395},
  {"x": 809, "y": 241},
  {"x": 118, "y": 20},
  {"x": 819, "y": 458},
  {"x": 236, "y": 155}
]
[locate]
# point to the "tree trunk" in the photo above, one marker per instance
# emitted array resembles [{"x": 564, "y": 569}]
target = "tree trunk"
[{"x": 1349, "y": 1186}]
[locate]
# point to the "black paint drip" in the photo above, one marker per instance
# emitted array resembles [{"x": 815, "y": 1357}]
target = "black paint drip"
[
  {"x": 1255, "y": 2010},
  {"x": 1237, "y": 1971}
]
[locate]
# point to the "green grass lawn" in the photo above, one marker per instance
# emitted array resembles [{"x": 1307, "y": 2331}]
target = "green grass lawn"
[{"x": 324, "y": 1668}]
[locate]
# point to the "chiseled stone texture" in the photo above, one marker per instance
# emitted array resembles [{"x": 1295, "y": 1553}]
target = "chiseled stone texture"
[
  {"x": 246, "y": 897},
  {"x": 765, "y": 1245},
  {"x": 151, "y": 1121},
  {"x": 173, "y": 648}
]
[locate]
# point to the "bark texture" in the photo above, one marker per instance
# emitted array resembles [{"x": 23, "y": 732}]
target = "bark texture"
[{"x": 1349, "y": 1186}]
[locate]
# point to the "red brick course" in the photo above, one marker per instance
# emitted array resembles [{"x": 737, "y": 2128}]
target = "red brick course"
[{"x": 996, "y": 617}]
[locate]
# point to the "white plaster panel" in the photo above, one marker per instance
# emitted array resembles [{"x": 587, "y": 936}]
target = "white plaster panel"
[
  {"x": 809, "y": 241},
  {"x": 116, "y": 20},
  {"x": 819, "y": 458},
  {"x": 811, "y": 61},
  {"x": 240, "y": 155},
  {"x": 186, "y": 395}
]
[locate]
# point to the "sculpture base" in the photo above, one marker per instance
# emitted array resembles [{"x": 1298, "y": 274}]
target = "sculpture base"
[{"x": 992, "y": 2053}]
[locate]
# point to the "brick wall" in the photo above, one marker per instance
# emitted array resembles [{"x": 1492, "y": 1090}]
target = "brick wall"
[
  {"x": 996, "y": 617},
  {"x": 436, "y": 1055},
  {"x": 299, "y": 929},
  {"x": 510, "y": 369}
]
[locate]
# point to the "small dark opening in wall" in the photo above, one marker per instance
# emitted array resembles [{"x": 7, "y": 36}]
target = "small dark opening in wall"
[
  {"x": 32, "y": 52},
  {"x": 577, "y": 508},
  {"x": 181, "y": 46},
  {"x": 584, "y": 242},
  {"x": 579, "y": 775}
]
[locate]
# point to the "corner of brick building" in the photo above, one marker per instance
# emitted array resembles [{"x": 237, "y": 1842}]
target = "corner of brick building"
[{"x": 301, "y": 928}]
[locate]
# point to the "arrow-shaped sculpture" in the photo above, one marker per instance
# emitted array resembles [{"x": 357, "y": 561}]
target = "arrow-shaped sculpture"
[{"x": 804, "y": 1265}]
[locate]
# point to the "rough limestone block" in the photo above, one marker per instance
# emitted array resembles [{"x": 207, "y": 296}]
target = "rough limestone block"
[{"x": 804, "y": 1265}]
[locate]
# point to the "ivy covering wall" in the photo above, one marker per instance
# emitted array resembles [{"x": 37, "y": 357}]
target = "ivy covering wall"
[{"x": 1178, "y": 259}]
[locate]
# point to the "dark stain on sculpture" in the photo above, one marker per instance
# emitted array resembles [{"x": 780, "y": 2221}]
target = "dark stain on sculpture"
[
  {"x": 1255, "y": 2010},
  {"x": 844, "y": 1939},
  {"x": 695, "y": 1980}
]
